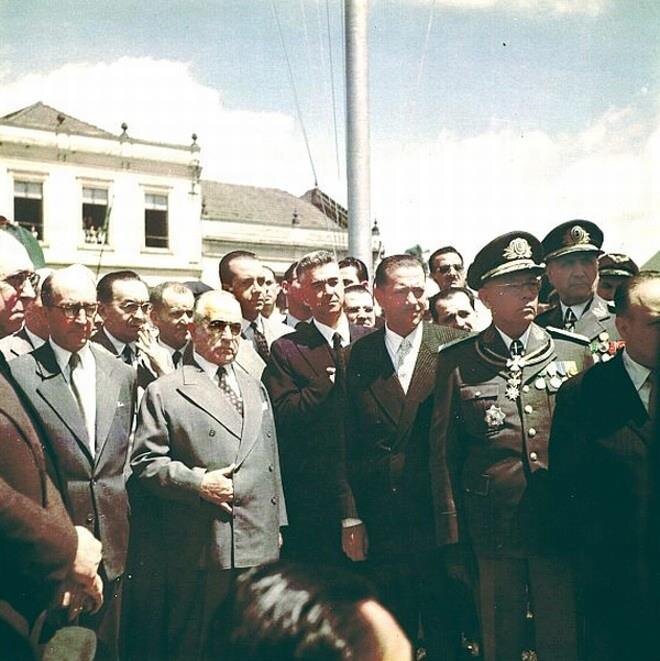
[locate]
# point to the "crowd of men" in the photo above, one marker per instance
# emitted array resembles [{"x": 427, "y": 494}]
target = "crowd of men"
[{"x": 480, "y": 446}]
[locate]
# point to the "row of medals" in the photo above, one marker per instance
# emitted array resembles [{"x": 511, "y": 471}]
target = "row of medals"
[{"x": 514, "y": 378}]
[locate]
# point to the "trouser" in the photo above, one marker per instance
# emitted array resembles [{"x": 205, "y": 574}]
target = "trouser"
[
  {"x": 106, "y": 623},
  {"x": 504, "y": 589}
]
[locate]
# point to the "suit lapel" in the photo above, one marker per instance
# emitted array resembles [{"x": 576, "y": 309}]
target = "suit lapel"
[
  {"x": 314, "y": 349},
  {"x": 252, "y": 414},
  {"x": 55, "y": 391},
  {"x": 205, "y": 394},
  {"x": 384, "y": 384},
  {"x": 106, "y": 404}
]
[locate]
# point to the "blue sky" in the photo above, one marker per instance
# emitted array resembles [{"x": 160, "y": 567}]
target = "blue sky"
[{"x": 525, "y": 113}]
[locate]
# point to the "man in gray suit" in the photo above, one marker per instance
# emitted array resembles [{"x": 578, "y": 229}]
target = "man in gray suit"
[
  {"x": 205, "y": 444},
  {"x": 84, "y": 398}
]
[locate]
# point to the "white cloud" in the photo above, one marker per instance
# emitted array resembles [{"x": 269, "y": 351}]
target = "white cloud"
[{"x": 454, "y": 189}]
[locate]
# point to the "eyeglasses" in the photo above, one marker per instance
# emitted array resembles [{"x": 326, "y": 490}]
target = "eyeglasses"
[
  {"x": 18, "y": 280},
  {"x": 131, "y": 308},
  {"x": 520, "y": 287},
  {"x": 72, "y": 310},
  {"x": 447, "y": 268},
  {"x": 217, "y": 327}
]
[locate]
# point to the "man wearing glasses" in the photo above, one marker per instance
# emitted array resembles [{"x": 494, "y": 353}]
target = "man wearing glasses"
[
  {"x": 489, "y": 454},
  {"x": 84, "y": 398},
  {"x": 205, "y": 446},
  {"x": 446, "y": 268}
]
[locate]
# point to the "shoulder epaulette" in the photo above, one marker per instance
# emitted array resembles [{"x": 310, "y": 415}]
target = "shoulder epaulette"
[
  {"x": 562, "y": 334},
  {"x": 458, "y": 340}
]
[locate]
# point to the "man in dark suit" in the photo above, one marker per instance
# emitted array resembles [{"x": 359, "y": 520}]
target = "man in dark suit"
[
  {"x": 390, "y": 380},
  {"x": 43, "y": 555},
  {"x": 571, "y": 252},
  {"x": 605, "y": 468},
  {"x": 489, "y": 436},
  {"x": 206, "y": 447},
  {"x": 84, "y": 400},
  {"x": 297, "y": 309},
  {"x": 242, "y": 274},
  {"x": 305, "y": 382}
]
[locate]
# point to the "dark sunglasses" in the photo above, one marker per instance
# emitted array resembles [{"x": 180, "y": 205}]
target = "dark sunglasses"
[
  {"x": 217, "y": 327},
  {"x": 18, "y": 280}
]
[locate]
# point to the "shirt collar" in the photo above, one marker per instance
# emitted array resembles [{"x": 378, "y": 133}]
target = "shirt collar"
[
  {"x": 35, "y": 340},
  {"x": 209, "y": 368},
  {"x": 342, "y": 328},
  {"x": 62, "y": 356},
  {"x": 118, "y": 344},
  {"x": 393, "y": 340},
  {"x": 171, "y": 350},
  {"x": 638, "y": 373},
  {"x": 508, "y": 340},
  {"x": 245, "y": 324},
  {"x": 578, "y": 308}
]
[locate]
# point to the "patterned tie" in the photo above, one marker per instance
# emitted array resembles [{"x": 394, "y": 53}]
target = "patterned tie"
[
  {"x": 260, "y": 342},
  {"x": 76, "y": 385},
  {"x": 127, "y": 355},
  {"x": 569, "y": 320},
  {"x": 517, "y": 348},
  {"x": 401, "y": 369},
  {"x": 234, "y": 399},
  {"x": 176, "y": 358}
]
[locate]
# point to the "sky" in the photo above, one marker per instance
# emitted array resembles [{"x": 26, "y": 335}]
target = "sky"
[{"x": 485, "y": 115}]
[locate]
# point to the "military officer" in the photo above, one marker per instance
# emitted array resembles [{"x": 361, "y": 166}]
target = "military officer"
[
  {"x": 571, "y": 253},
  {"x": 489, "y": 435}
]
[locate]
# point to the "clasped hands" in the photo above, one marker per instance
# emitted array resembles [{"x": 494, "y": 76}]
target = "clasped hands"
[{"x": 218, "y": 487}]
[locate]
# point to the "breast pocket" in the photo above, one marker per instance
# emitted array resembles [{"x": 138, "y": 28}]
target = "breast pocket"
[{"x": 479, "y": 409}]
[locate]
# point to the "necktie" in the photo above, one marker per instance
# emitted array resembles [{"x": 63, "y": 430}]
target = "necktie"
[
  {"x": 127, "y": 355},
  {"x": 402, "y": 370},
  {"x": 337, "y": 344},
  {"x": 653, "y": 394},
  {"x": 76, "y": 388},
  {"x": 569, "y": 320},
  {"x": 260, "y": 342},
  {"x": 176, "y": 358},
  {"x": 234, "y": 399},
  {"x": 517, "y": 348}
]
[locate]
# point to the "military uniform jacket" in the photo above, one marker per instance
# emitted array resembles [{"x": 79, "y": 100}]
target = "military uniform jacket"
[
  {"x": 489, "y": 438},
  {"x": 386, "y": 441},
  {"x": 596, "y": 323},
  {"x": 186, "y": 426}
]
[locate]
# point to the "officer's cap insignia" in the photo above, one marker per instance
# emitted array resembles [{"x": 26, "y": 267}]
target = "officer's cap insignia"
[
  {"x": 579, "y": 235},
  {"x": 518, "y": 248},
  {"x": 617, "y": 258},
  {"x": 494, "y": 417}
]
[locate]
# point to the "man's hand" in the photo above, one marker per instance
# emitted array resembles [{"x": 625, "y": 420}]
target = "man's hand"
[
  {"x": 88, "y": 558},
  {"x": 158, "y": 356},
  {"x": 218, "y": 487},
  {"x": 355, "y": 542},
  {"x": 78, "y": 600}
]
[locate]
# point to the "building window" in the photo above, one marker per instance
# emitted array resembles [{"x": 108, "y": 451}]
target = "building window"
[
  {"x": 155, "y": 221},
  {"x": 94, "y": 215},
  {"x": 29, "y": 207}
]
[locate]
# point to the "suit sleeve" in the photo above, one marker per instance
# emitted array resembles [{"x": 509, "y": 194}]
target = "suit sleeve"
[
  {"x": 295, "y": 403},
  {"x": 40, "y": 540},
  {"x": 151, "y": 459}
]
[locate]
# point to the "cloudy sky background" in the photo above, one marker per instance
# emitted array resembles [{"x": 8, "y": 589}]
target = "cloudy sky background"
[{"x": 486, "y": 115}]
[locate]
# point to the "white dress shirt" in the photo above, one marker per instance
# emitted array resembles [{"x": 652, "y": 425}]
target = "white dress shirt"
[
  {"x": 35, "y": 340},
  {"x": 119, "y": 345},
  {"x": 639, "y": 375},
  {"x": 393, "y": 343},
  {"x": 578, "y": 308},
  {"x": 86, "y": 382},
  {"x": 328, "y": 332},
  {"x": 211, "y": 370}
]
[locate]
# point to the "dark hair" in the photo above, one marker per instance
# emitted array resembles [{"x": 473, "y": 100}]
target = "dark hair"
[
  {"x": 392, "y": 262},
  {"x": 357, "y": 287},
  {"x": 224, "y": 268},
  {"x": 106, "y": 283},
  {"x": 47, "y": 290},
  {"x": 313, "y": 260},
  {"x": 265, "y": 266},
  {"x": 442, "y": 251},
  {"x": 624, "y": 290},
  {"x": 359, "y": 266},
  {"x": 282, "y": 611},
  {"x": 157, "y": 292},
  {"x": 290, "y": 273},
  {"x": 445, "y": 295}
]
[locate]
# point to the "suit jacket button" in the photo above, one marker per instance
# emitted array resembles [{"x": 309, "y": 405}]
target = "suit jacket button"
[
  {"x": 533, "y": 456},
  {"x": 531, "y": 432},
  {"x": 273, "y": 500},
  {"x": 525, "y": 388},
  {"x": 271, "y": 468},
  {"x": 268, "y": 434},
  {"x": 211, "y": 432},
  {"x": 89, "y": 518},
  {"x": 528, "y": 408}
]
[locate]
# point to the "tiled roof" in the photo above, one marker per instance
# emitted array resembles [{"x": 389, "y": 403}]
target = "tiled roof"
[
  {"x": 267, "y": 206},
  {"x": 46, "y": 118}
]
